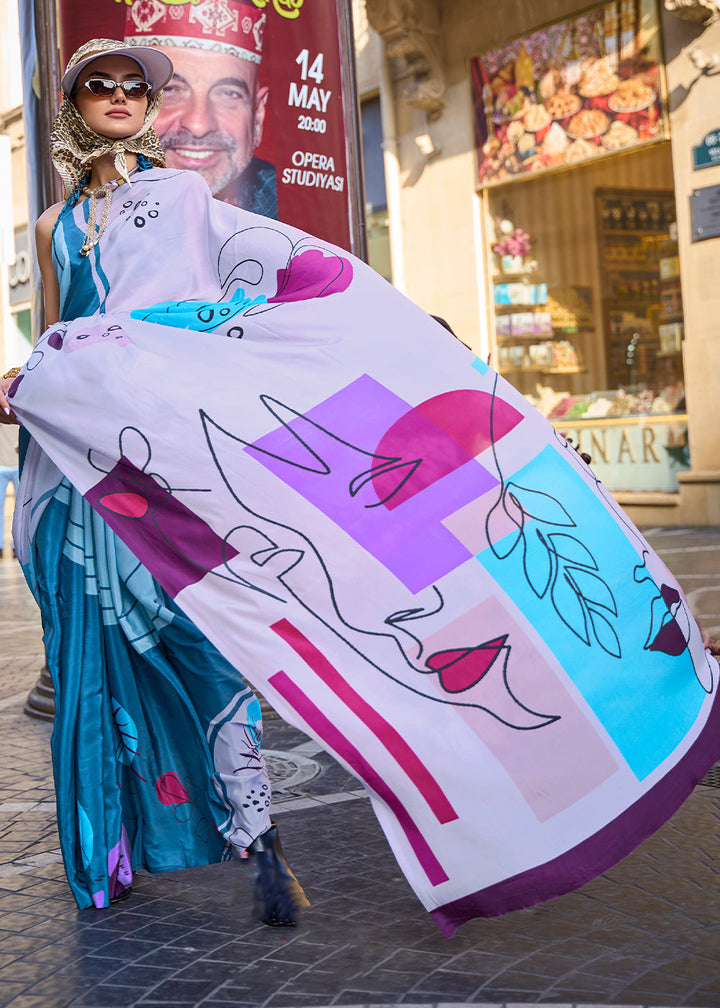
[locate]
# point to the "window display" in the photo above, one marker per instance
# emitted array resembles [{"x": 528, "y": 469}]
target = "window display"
[
  {"x": 529, "y": 322},
  {"x": 573, "y": 91},
  {"x": 587, "y": 312},
  {"x": 640, "y": 281}
]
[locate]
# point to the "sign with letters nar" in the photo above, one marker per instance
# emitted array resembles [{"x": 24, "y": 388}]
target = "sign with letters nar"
[{"x": 707, "y": 153}]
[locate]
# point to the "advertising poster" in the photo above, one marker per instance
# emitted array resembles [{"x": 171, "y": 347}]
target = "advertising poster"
[
  {"x": 257, "y": 105},
  {"x": 575, "y": 90}
]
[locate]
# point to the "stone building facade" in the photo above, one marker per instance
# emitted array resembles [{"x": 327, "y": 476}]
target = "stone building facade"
[{"x": 618, "y": 342}]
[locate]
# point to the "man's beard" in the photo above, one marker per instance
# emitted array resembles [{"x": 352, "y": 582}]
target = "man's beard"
[{"x": 217, "y": 178}]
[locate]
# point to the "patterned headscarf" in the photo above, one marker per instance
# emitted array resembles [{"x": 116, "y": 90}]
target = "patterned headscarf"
[{"x": 74, "y": 146}]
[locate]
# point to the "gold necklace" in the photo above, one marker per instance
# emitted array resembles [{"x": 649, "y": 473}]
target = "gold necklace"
[{"x": 94, "y": 232}]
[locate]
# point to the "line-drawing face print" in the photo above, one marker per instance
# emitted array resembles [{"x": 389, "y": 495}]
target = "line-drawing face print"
[
  {"x": 669, "y": 624},
  {"x": 473, "y": 676},
  {"x": 280, "y": 561},
  {"x": 669, "y": 620}
]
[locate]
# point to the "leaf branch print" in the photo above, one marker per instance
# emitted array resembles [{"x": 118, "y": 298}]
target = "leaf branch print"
[{"x": 557, "y": 566}]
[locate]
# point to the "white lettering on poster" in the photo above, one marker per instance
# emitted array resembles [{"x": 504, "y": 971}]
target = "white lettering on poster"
[
  {"x": 316, "y": 179},
  {"x": 307, "y": 159},
  {"x": 311, "y": 169},
  {"x": 308, "y": 98}
]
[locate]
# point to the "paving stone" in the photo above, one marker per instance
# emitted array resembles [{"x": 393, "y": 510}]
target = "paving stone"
[
  {"x": 10, "y": 989},
  {"x": 107, "y": 996},
  {"x": 177, "y": 990},
  {"x": 34, "y": 1001},
  {"x": 648, "y": 932}
]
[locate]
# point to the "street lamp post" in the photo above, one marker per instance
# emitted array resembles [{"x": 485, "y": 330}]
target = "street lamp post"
[{"x": 41, "y": 106}]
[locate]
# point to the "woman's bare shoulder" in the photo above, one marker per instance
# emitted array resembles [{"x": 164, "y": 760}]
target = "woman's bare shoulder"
[{"x": 46, "y": 221}]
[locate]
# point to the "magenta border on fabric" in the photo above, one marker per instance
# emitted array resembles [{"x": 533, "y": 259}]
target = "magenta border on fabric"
[{"x": 599, "y": 852}]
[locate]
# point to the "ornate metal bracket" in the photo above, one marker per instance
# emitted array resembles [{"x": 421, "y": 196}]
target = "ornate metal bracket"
[
  {"x": 703, "y": 12},
  {"x": 410, "y": 30}
]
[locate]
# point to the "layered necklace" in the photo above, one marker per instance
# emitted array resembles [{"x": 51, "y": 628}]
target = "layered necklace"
[{"x": 94, "y": 230}]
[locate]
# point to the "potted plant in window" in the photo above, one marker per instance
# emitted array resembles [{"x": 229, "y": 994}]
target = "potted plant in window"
[{"x": 512, "y": 248}]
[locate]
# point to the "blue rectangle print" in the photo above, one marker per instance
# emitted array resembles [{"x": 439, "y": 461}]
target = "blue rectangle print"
[{"x": 570, "y": 547}]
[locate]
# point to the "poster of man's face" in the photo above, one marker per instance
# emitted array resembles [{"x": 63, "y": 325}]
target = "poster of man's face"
[
  {"x": 211, "y": 121},
  {"x": 258, "y": 103},
  {"x": 213, "y": 110}
]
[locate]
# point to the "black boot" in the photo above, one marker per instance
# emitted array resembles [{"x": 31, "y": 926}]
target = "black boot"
[{"x": 279, "y": 897}]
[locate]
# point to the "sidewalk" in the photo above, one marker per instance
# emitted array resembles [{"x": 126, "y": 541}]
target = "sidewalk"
[{"x": 646, "y": 933}]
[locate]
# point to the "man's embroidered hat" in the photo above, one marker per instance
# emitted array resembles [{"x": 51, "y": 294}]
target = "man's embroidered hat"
[{"x": 228, "y": 26}]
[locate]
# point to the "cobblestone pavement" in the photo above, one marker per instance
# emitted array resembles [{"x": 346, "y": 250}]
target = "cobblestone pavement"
[{"x": 646, "y": 933}]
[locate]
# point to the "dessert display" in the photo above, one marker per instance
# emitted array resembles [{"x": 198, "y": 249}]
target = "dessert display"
[
  {"x": 567, "y": 82},
  {"x": 515, "y": 131},
  {"x": 526, "y": 145},
  {"x": 588, "y": 123},
  {"x": 562, "y": 104},
  {"x": 601, "y": 405},
  {"x": 631, "y": 96},
  {"x": 619, "y": 134},
  {"x": 549, "y": 84},
  {"x": 556, "y": 140},
  {"x": 578, "y": 151},
  {"x": 536, "y": 118},
  {"x": 599, "y": 79}
]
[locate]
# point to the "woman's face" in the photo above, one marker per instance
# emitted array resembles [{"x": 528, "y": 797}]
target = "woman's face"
[{"x": 116, "y": 117}]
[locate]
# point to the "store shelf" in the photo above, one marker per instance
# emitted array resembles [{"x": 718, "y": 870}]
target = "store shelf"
[
  {"x": 541, "y": 370},
  {"x": 512, "y": 277},
  {"x": 614, "y": 307},
  {"x": 633, "y": 286},
  {"x": 510, "y": 309},
  {"x": 525, "y": 337},
  {"x": 639, "y": 269},
  {"x": 655, "y": 232}
]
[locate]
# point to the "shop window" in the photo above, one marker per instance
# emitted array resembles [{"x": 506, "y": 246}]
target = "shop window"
[
  {"x": 378, "y": 233},
  {"x": 588, "y": 312},
  {"x": 570, "y": 123}
]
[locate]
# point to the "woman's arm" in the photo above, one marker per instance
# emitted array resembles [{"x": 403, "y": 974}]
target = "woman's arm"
[
  {"x": 6, "y": 413},
  {"x": 43, "y": 244}
]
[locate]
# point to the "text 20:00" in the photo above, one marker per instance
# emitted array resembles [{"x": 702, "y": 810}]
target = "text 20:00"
[{"x": 314, "y": 125}]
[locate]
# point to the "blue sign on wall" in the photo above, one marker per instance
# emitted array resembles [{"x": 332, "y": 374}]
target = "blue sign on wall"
[{"x": 707, "y": 153}]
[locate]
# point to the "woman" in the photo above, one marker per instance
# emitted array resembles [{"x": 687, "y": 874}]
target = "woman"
[
  {"x": 156, "y": 744},
  {"x": 414, "y": 567}
]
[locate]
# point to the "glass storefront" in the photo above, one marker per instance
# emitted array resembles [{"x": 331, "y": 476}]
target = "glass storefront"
[{"x": 585, "y": 296}]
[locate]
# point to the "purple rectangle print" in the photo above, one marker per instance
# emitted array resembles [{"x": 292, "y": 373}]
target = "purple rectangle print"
[
  {"x": 328, "y": 455},
  {"x": 176, "y": 546}
]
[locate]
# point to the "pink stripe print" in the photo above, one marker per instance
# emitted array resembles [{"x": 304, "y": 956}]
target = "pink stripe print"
[
  {"x": 334, "y": 738},
  {"x": 393, "y": 741}
]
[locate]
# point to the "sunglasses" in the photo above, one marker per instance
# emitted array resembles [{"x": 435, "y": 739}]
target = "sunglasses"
[{"x": 103, "y": 87}]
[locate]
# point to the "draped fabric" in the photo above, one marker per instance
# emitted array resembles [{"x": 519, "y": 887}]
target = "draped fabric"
[
  {"x": 156, "y": 741},
  {"x": 399, "y": 551}
]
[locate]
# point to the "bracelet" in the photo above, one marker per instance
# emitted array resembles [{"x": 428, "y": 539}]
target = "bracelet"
[{"x": 12, "y": 373}]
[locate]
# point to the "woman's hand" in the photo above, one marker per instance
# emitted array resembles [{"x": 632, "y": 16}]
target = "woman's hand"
[
  {"x": 6, "y": 412},
  {"x": 587, "y": 459}
]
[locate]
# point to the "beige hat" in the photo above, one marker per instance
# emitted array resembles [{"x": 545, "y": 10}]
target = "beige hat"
[{"x": 156, "y": 66}]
